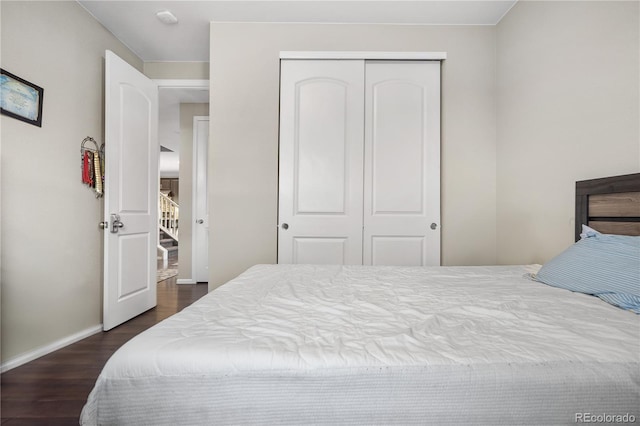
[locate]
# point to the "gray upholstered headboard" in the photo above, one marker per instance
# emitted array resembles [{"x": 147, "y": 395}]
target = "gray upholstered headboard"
[{"x": 609, "y": 205}]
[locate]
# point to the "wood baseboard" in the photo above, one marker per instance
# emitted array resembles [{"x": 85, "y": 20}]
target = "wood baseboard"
[{"x": 45, "y": 350}]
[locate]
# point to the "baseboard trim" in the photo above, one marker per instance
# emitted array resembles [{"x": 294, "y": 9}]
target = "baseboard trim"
[
  {"x": 52, "y": 347},
  {"x": 185, "y": 281}
]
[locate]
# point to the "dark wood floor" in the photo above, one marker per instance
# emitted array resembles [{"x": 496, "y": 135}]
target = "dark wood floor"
[{"x": 53, "y": 389}]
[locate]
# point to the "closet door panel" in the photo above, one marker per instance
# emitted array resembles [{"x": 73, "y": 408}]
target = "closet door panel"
[
  {"x": 397, "y": 251},
  {"x": 397, "y": 148},
  {"x": 402, "y": 163},
  {"x": 319, "y": 251},
  {"x": 319, "y": 147},
  {"x": 321, "y": 169}
]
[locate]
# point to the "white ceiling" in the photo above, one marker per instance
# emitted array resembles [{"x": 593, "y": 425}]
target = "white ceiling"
[{"x": 134, "y": 22}]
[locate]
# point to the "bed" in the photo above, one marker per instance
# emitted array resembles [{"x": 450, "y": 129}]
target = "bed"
[{"x": 327, "y": 344}]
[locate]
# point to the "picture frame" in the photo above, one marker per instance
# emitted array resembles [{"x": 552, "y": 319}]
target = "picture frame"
[{"x": 20, "y": 98}]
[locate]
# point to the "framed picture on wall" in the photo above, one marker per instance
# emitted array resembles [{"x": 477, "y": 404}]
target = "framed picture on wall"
[{"x": 20, "y": 99}]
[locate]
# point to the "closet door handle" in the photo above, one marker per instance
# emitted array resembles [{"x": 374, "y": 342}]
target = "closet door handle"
[
  {"x": 434, "y": 226},
  {"x": 285, "y": 226}
]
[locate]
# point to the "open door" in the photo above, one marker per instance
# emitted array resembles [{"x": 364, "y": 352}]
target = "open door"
[
  {"x": 131, "y": 192},
  {"x": 200, "y": 250}
]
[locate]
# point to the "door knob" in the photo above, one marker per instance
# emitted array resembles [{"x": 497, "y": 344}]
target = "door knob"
[
  {"x": 115, "y": 223},
  {"x": 103, "y": 225},
  {"x": 434, "y": 226},
  {"x": 285, "y": 226},
  {"x": 200, "y": 221}
]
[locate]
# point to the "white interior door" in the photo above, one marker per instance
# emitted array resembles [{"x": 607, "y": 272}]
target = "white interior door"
[
  {"x": 321, "y": 143},
  {"x": 402, "y": 163},
  {"x": 131, "y": 192},
  {"x": 200, "y": 199}
]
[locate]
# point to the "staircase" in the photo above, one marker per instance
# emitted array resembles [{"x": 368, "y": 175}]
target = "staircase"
[
  {"x": 169, "y": 244},
  {"x": 168, "y": 215}
]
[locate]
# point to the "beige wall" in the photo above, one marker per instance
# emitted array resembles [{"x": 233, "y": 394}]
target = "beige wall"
[
  {"x": 177, "y": 70},
  {"x": 51, "y": 245},
  {"x": 568, "y": 97},
  {"x": 187, "y": 112},
  {"x": 244, "y": 133}
]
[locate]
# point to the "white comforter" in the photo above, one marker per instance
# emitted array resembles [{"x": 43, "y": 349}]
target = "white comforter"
[{"x": 351, "y": 344}]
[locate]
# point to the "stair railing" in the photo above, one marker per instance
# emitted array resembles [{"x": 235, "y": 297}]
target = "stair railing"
[{"x": 168, "y": 216}]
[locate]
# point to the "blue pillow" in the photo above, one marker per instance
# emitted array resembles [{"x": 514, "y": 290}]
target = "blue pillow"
[
  {"x": 607, "y": 266},
  {"x": 588, "y": 232}
]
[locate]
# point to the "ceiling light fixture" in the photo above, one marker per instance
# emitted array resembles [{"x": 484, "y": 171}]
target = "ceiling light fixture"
[{"x": 167, "y": 17}]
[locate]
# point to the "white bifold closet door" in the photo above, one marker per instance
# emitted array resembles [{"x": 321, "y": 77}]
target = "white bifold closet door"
[{"x": 359, "y": 162}]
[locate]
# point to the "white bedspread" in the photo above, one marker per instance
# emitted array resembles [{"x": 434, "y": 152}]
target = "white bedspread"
[{"x": 301, "y": 344}]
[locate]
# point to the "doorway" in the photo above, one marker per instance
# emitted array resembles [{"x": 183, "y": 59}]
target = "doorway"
[{"x": 179, "y": 102}]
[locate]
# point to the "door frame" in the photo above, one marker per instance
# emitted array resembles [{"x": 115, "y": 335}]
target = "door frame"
[
  {"x": 371, "y": 56},
  {"x": 184, "y": 84}
]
